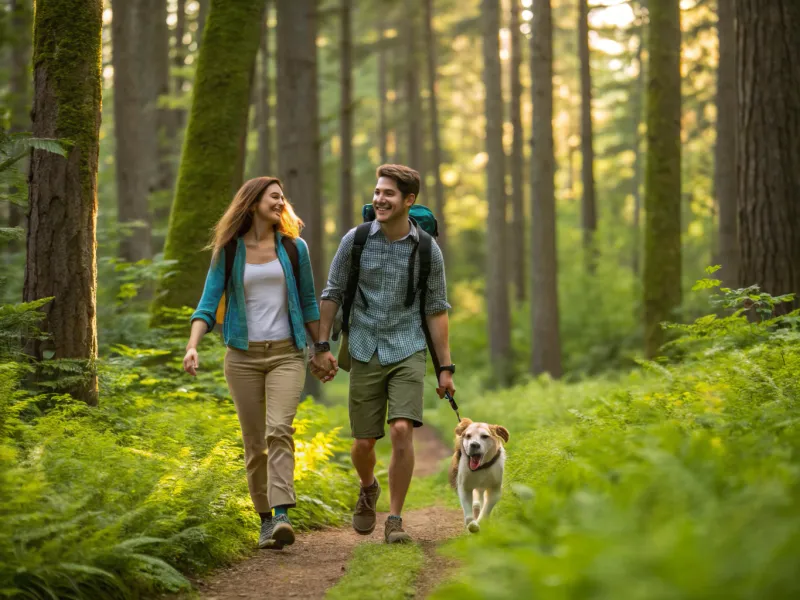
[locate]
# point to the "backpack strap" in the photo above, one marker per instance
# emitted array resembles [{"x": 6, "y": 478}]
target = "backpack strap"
[
  {"x": 294, "y": 257},
  {"x": 359, "y": 241},
  {"x": 425, "y": 248}
]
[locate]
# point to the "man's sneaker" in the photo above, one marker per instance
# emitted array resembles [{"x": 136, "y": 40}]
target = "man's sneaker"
[
  {"x": 265, "y": 538},
  {"x": 282, "y": 532},
  {"x": 364, "y": 516},
  {"x": 394, "y": 533}
]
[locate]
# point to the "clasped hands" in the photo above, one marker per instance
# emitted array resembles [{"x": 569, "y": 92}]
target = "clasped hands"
[{"x": 324, "y": 366}]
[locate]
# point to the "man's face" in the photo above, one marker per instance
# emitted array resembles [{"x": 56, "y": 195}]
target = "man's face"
[{"x": 388, "y": 201}]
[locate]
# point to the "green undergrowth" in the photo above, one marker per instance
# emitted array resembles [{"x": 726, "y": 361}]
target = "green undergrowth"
[
  {"x": 380, "y": 571},
  {"x": 678, "y": 480},
  {"x": 126, "y": 499}
]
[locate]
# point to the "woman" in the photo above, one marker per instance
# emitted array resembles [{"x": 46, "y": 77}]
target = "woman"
[{"x": 267, "y": 313}]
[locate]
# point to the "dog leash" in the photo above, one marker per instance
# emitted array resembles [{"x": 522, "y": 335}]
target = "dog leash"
[{"x": 453, "y": 404}]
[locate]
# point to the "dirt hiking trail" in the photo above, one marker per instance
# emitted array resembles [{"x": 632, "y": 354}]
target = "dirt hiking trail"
[{"x": 318, "y": 559}]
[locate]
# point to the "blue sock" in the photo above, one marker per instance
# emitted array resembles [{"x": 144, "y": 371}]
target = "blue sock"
[
  {"x": 281, "y": 510},
  {"x": 395, "y": 517}
]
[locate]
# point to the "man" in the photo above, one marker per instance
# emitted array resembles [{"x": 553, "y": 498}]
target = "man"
[{"x": 387, "y": 343}]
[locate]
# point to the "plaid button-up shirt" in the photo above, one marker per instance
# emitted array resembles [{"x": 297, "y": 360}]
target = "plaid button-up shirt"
[{"x": 385, "y": 324}]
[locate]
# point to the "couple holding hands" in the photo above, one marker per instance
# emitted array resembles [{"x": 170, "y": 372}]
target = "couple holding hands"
[{"x": 262, "y": 266}]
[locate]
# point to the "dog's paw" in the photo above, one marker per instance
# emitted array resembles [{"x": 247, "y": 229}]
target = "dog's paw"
[{"x": 473, "y": 527}]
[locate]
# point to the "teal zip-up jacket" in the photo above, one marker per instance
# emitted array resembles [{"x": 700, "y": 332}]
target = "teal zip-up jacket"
[{"x": 303, "y": 306}]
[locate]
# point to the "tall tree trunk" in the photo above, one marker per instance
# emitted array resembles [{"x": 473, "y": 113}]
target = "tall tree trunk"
[
  {"x": 433, "y": 109},
  {"x": 179, "y": 62},
  {"x": 154, "y": 72},
  {"x": 134, "y": 156},
  {"x": 400, "y": 112},
  {"x": 383, "y": 133},
  {"x": 211, "y": 165},
  {"x": 346, "y": 120},
  {"x": 662, "y": 199},
  {"x": 62, "y": 200},
  {"x": 19, "y": 87},
  {"x": 414, "y": 122},
  {"x": 298, "y": 127},
  {"x": 546, "y": 339},
  {"x": 517, "y": 237},
  {"x": 264, "y": 106},
  {"x": 588, "y": 203},
  {"x": 496, "y": 279},
  {"x": 637, "y": 97},
  {"x": 767, "y": 37},
  {"x": 725, "y": 149}
]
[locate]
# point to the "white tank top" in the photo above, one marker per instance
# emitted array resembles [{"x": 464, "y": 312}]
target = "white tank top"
[{"x": 267, "y": 303}]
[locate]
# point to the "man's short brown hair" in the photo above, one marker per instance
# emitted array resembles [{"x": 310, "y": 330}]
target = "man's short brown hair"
[{"x": 406, "y": 178}]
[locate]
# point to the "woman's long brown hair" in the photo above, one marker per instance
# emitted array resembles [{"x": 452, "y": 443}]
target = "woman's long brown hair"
[{"x": 238, "y": 218}]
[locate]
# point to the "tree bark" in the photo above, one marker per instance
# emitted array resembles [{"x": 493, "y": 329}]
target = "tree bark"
[
  {"x": 496, "y": 278},
  {"x": 546, "y": 339},
  {"x": 155, "y": 75},
  {"x": 400, "y": 111},
  {"x": 767, "y": 37},
  {"x": 414, "y": 122},
  {"x": 346, "y": 119},
  {"x": 636, "y": 119},
  {"x": 264, "y": 106},
  {"x": 588, "y": 203},
  {"x": 211, "y": 166},
  {"x": 725, "y": 148},
  {"x": 62, "y": 200},
  {"x": 298, "y": 127},
  {"x": 132, "y": 128},
  {"x": 433, "y": 109},
  {"x": 517, "y": 241},
  {"x": 383, "y": 130},
  {"x": 19, "y": 88},
  {"x": 662, "y": 259},
  {"x": 179, "y": 62}
]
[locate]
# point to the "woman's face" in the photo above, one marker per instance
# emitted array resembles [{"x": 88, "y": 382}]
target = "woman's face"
[{"x": 271, "y": 204}]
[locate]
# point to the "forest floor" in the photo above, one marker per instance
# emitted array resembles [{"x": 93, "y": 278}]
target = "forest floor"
[{"x": 319, "y": 559}]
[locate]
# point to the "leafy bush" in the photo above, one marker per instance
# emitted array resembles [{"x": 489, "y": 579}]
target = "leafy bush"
[
  {"x": 126, "y": 498},
  {"x": 679, "y": 480}
]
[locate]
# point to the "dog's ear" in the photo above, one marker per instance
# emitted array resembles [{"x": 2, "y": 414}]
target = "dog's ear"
[
  {"x": 462, "y": 426},
  {"x": 500, "y": 432}
]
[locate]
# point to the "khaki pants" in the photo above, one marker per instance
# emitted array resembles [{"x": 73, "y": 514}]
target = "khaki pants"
[{"x": 266, "y": 382}]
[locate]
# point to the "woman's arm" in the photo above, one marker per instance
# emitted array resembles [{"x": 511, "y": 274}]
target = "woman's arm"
[
  {"x": 212, "y": 292},
  {"x": 305, "y": 287}
]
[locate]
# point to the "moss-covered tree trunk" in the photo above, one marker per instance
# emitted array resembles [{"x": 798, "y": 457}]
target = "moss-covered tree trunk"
[
  {"x": 517, "y": 234},
  {"x": 768, "y": 71},
  {"x": 211, "y": 163},
  {"x": 725, "y": 148},
  {"x": 62, "y": 198},
  {"x": 545, "y": 336},
  {"x": 496, "y": 271},
  {"x": 662, "y": 198},
  {"x": 346, "y": 118},
  {"x": 18, "y": 98},
  {"x": 433, "y": 110},
  {"x": 588, "y": 202}
]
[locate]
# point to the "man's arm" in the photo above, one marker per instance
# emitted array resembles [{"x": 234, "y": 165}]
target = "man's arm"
[{"x": 436, "y": 307}]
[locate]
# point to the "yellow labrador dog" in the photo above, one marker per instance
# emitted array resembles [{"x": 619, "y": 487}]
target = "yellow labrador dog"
[{"x": 477, "y": 469}]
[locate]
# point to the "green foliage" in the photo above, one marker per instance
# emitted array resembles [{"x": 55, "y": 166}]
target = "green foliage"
[
  {"x": 397, "y": 566},
  {"x": 668, "y": 482},
  {"x": 127, "y": 498}
]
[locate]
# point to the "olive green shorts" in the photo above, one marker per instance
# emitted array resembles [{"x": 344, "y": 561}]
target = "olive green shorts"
[{"x": 374, "y": 386}]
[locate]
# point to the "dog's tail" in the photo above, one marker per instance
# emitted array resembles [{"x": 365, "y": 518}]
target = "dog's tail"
[{"x": 454, "y": 468}]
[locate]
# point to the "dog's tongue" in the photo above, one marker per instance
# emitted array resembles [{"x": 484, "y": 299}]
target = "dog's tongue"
[{"x": 474, "y": 462}]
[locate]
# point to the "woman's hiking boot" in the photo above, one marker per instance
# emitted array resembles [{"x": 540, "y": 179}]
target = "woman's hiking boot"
[
  {"x": 394, "y": 533},
  {"x": 364, "y": 516},
  {"x": 282, "y": 532}
]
